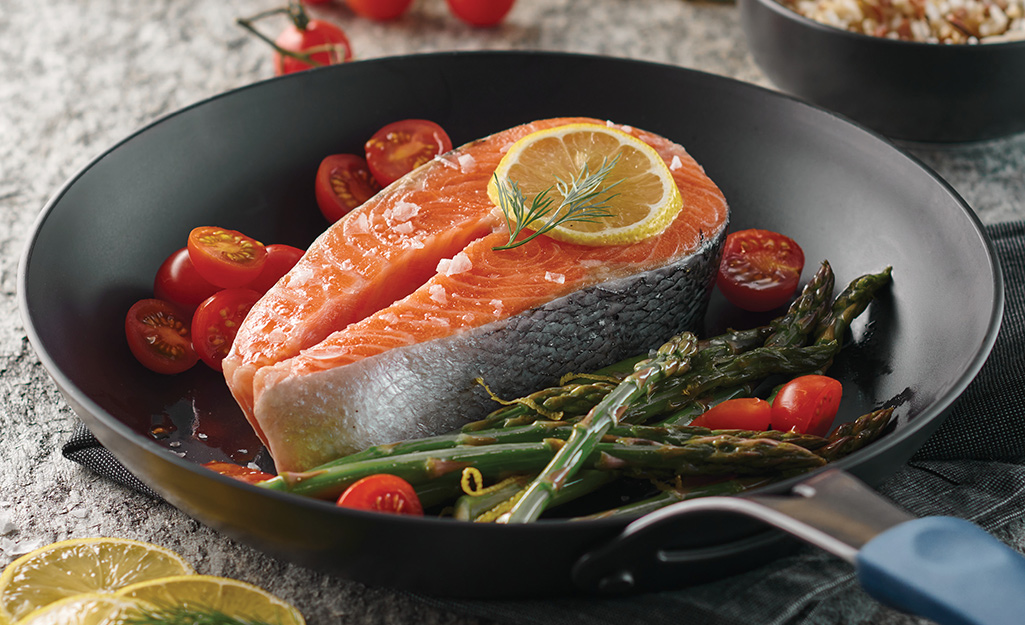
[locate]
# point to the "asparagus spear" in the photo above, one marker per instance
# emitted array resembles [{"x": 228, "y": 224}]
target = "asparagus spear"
[
  {"x": 850, "y": 437},
  {"x": 806, "y": 311},
  {"x": 850, "y": 303},
  {"x": 683, "y": 434},
  {"x": 420, "y": 467},
  {"x": 721, "y": 454},
  {"x": 671, "y": 359}
]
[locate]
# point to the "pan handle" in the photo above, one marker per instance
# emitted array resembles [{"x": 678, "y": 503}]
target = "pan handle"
[
  {"x": 942, "y": 568},
  {"x": 946, "y": 569}
]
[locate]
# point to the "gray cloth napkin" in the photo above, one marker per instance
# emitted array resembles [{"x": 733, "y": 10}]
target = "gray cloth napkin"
[{"x": 973, "y": 467}]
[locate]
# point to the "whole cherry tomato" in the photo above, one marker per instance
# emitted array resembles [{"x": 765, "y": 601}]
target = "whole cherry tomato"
[
  {"x": 807, "y": 404},
  {"x": 481, "y": 12},
  {"x": 382, "y": 492},
  {"x": 158, "y": 335},
  {"x": 216, "y": 322},
  {"x": 177, "y": 281},
  {"x": 380, "y": 10},
  {"x": 325, "y": 43},
  {"x": 226, "y": 258},
  {"x": 742, "y": 413},
  {"x": 402, "y": 146},
  {"x": 343, "y": 182},
  {"x": 280, "y": 260},
  {"x": 760, "y": 269}
]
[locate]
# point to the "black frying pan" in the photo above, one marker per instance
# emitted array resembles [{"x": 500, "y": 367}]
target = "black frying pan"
[{"x": 246, "y": 160}]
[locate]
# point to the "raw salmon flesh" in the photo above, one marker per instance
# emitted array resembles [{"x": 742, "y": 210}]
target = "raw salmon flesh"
[{"x": 383, "y": 328}]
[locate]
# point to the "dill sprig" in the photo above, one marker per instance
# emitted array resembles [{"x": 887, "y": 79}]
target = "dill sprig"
[
  {"x": 582, "y": 201},
  {"x": 191, "y": 615}
]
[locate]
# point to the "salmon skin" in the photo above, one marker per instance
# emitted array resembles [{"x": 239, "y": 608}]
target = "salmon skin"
[{"x": 383, "y": 328}]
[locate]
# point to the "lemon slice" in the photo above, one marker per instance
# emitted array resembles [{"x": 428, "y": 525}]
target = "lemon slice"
[
  {"x": 86, "y": 609},
  {"x": 642, "y": 203},
  {"x": 207, "y": 593},
  {"x": 77, "y": 566}
]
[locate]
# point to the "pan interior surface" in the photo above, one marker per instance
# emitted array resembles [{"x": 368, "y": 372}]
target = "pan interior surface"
[{"x": 246, "y": 160}]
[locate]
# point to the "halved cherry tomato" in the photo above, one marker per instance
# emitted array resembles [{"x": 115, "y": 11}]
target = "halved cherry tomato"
[
  {"x": 240, "y": 473},
  {"x": 379, "y": 9},
  {"x": 177, "y": 281},
  {"x": 159, "y": 337},
  {"x": 742, "y": 413},
  {"x": 807, "y": 404},
  {"x": 280, "y": 260},
  {"x": 382, "y": 492},
  {"x": 343, "y": 182},
  {"x": 226, "y": 258},
  {"x": 760, "y": 269},
  {"x": 480, "y": 12},
  {"x": 216, "y": 322},
  {"x": 326, "y": 44},
  {"x": 402, "y": 146}
]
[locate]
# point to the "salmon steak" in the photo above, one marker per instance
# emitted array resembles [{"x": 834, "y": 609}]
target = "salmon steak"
[{"x": 386, "y": 326}]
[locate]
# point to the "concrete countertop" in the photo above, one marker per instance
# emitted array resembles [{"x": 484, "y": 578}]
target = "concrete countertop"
[{"x": 76, "y": 77}]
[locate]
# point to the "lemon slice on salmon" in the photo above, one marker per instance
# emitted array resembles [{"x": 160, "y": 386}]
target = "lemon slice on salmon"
[
  {"x": 636, "y": 195},
  {"x": 84, "y": 565},
  {"x": 213, "y": 595}
]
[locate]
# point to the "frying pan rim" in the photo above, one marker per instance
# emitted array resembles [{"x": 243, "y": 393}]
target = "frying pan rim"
[{"x": 865, "y": 456}]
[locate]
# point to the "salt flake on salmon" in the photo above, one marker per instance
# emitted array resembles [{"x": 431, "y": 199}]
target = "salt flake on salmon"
[{"x": 381, "y": 332}]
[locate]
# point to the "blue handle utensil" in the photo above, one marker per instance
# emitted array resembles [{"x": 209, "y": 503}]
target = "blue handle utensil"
[
  {"x": 945, "y": 569},
  {"x": 942, "y": 568}
]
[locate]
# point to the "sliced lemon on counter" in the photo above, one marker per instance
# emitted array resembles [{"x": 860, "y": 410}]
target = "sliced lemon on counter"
[
  {"x": 206, "y": 593},
  {"x": 78, "y": 566},
  {"x": 638, "y": 192},
  {"x": 87, "y": 609}
]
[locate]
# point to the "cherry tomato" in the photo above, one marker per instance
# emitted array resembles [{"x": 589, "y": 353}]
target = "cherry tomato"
[
  {"x": 177, "y": 281},
  {"x": 240, "y": 473},
  {"x": 742, "y": 413},
  {"x": 480, "y": 12},
  {"x": 343, "y": 182},
  {"x": 402, "y": 146},
  {"x": 326, "y": 44},
  {"x": 226, "y": 258},
  {"x": 158, "y": 335},
  {"x": 382, "y": 492},
  {"x": 379, "y": 9},
  {"x": 216, "y": 322},
  {"x": 760, "y": 269},
  {"x": 280, "y": 260},
  {"x": 807, "y": 404}
]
